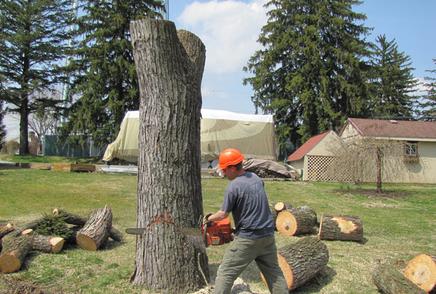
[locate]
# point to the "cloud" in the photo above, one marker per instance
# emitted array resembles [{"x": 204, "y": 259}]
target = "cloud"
[{"x": 229, "y": 29}]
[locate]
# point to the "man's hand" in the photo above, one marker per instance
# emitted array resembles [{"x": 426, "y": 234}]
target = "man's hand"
[{"x": 205, "y": 218}]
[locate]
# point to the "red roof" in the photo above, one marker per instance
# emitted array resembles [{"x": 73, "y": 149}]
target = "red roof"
[
  {"x": 394, "y": 128},
  {"x": 306, "y": 147}
]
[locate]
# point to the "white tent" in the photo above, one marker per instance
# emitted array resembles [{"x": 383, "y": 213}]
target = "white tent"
[{"x": 252, "y": 134}]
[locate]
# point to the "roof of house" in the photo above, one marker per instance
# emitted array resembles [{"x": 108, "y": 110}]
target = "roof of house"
[
  {"x": 393, "y": 128},
  {"x": 306, "y": 147}
]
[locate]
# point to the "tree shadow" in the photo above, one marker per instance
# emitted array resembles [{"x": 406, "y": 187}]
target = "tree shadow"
[{"x": 315, "y": 285}]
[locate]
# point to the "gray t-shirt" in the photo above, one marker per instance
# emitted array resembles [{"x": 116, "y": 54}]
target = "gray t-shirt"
[{"x": 246, "y": 199}]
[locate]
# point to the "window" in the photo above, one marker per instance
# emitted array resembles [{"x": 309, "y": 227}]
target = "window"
[{"x": 411, "y": 149}]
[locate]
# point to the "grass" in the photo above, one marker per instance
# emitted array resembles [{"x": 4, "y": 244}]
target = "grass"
[{"x": 397, "y": 225}]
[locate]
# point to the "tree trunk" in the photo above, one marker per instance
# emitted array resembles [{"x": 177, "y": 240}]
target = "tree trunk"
[
  {"x": 302, "y": 261},
  {"x": 345, "y": 228},
  {"x": 47, "y": 244},
  {"x": 170, "y": 67},
  {"x": 77, "y": 220},
  {"x": 389, "y": 280},
  {"x": 96, "y": 230},
  {"x": 421, "y": 270},
  {"x": 15, "y": 249},
  {"x": 296, "y": 221}
]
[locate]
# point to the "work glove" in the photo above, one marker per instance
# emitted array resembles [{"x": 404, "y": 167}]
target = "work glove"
[{"x": 205, "y": 219}]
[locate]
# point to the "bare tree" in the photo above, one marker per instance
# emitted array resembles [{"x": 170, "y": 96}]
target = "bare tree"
[
  {"x": 367, "y": 160},
  {"x": 169, "y": 65}
]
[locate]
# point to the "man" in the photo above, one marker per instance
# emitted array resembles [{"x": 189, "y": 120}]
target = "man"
[{"x": 254, "y": 240}]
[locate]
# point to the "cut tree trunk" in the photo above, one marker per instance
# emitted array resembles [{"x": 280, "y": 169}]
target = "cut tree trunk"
[
  {"x": 280, "y": 206},
  {"x": 296, "y": 221},
  {"x": 47, "y": 244},
  {"x": 302, "y": 261},
  {"x": 14, "y": 250},
  {"x": 421, "y": 270},
  {"x": 389, "y": 280},
  {"x": 6, "y": 229},
  {"x": 342, "y": 227},
  {"x": 169, "y": 65},
  {"x": 95, "y": 232},
  {"x": 77, "y": 220}
]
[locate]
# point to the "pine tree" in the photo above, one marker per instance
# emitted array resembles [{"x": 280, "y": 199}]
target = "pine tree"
[
  {"x": 2, "y": 126},
  {"x": 429, "y": 104},
  {"x": 310, "y": 72},
  {"x": 32, "y": 43},
  {"x": 392, "y": 82},
  {"x": 104, "y": 72}
]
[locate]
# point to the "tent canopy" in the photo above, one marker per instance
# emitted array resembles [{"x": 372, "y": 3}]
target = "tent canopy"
[{"x": 252, "y": 134}]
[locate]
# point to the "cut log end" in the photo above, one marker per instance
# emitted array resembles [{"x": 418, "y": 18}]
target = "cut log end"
[
  {"x": 287, "y": 272},
  {"x": 344, "y": 225},
  {"x": 9, "y": 263},
  {"x": 26, "y": 232},
  {"x": 56, "y": 211},
  {"x": 279, "y": 206},
  {"x": 286, "y": 223},
  {"x": 57, "y": 243},
  {"x": 86, "y": 242},
  {"x": 421, "y": 270}
]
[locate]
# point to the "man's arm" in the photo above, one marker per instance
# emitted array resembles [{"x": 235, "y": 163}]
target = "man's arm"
[{"x": 217, "y": 216}]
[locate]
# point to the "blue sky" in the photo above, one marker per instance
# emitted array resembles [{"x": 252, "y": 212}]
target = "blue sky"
[{"x": 229, "y": 29}]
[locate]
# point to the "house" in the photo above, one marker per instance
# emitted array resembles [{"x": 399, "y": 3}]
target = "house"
[
  {"x": 417, "y": 163},
  {"x": 312, "y": 159}
]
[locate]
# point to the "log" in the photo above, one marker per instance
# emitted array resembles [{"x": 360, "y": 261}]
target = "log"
[
  {"x": 302, "y": 261},
  {"x": 14, "y": 251},
  {"x": 95, "y": 232},
  {"x": 389, "y": 280},
  {"x": 280, "y": 206},
  {"x": 296, "y": 221},
  {"x": 342, "y": 227},
  {"x": 421, "y": 270},
  {"x": 46, "y": 244},
  {"x": 6, "y": 229},
  {"x": 77, "y": 220}
]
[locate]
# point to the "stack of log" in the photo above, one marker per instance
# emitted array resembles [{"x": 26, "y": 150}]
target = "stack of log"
[
  {"x": 419, "y": 276},
  {"x": 88, "y": 233},
  {"x": 302, "y": 220}
]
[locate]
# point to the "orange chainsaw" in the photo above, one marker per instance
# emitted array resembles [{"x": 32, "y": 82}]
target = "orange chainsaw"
[{"x": 217, "y": 232}]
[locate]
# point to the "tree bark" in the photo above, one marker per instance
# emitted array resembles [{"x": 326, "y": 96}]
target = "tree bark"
[
  {"x": 14, "y": 251},
  {"x": 47, "y": 244},
  {"x": 296, "y": 221},
  {"x": 170, "y": 67},
  {"x": 345, "y": 228},
  {"x": 302, "y": 261},
  {"x": 389, "y": 280},
  {"x": 421, "y": 270},
  {"x": 95, "y": 232},
  {"x": 77, "y": 220}
]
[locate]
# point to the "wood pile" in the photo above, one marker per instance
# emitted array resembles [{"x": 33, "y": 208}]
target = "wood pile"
[{"x": 50, "y": 233}]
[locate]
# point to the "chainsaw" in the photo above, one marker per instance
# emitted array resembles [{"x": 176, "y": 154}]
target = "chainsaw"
[
  {"x": 217, "y": 232},
  {"x": 212, "y": 233}
]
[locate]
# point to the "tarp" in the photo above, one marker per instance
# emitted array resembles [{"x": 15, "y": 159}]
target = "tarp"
[{"x": 252, "y": 134}]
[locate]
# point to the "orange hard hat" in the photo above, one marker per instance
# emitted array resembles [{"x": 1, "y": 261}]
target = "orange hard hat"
[{"x": 230, "y": 156}]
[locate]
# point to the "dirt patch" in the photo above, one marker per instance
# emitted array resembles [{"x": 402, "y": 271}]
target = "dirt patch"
[{"x": 16, "y": 286}]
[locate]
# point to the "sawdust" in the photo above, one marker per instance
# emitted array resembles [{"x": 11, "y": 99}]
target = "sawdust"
[{"x": 239, "y": 287}]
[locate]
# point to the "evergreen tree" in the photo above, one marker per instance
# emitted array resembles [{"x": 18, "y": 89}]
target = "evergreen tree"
[
  {"x": 310, "y": 73},
  {"x": 2, "y": 126},
  {"x": 32, "y": 42},
  {"x": 392, "y": 81},
  {"x": 105, "y": 77},
  {"x": 429, "y": 104}
]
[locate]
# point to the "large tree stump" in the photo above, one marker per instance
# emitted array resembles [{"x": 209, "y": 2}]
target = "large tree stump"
[
  {"x": 169, "y": 65},
  {"x": 302, "y": 261},
  {"x": 296, "y": 221},
  {"x": 389, "y": 280},
  {"x": 95, "y": 232},
  {"x": 342, "y": 227},
  {"x": 421, "y": 270},
  {"x": 14, "y": 250},
  {"x": 77, "y": 220}
]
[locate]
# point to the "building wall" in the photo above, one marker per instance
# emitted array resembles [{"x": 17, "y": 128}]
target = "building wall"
[{"x": 328, "y": 145}]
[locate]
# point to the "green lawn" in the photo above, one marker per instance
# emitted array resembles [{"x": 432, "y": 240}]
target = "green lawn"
[{"x": 397, "y": 225}]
